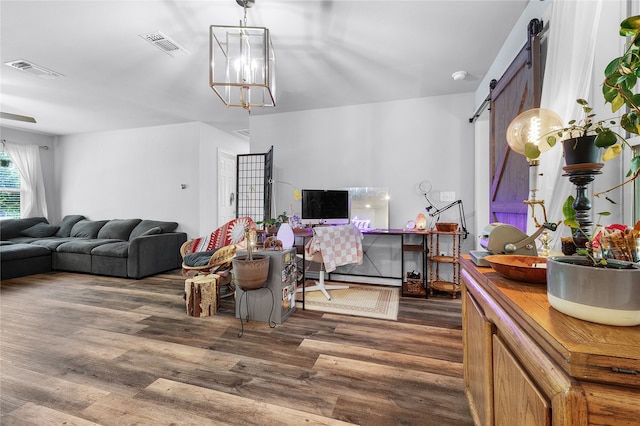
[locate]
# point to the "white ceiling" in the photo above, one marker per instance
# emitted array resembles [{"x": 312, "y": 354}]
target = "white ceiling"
[{"x": 328, "y": 54}]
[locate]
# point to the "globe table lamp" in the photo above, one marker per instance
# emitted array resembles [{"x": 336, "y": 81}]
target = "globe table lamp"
[{"x": 527, "y": 135}]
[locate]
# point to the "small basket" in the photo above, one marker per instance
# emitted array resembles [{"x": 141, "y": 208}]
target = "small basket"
[
  {"x": 446, "y": 226},
  {"x": 415, "y": 286}
]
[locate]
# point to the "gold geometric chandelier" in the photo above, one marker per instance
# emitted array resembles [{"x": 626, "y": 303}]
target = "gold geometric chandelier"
[{"x": 242, "y": 64}]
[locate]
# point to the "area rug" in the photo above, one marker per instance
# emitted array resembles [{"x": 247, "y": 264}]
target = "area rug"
[{"x": 363, "y": 301}]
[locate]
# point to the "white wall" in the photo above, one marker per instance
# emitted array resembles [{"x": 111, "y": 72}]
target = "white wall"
[
  {"x": 46, "y": 160},
  {"x": 392, "y": 144},
  {"x": 139, "y": 172}
]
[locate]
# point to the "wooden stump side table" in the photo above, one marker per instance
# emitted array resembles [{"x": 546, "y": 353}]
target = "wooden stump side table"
[{"x": 202, "y": 295}]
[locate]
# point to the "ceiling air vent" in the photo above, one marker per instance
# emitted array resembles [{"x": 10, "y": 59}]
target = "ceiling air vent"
[
  {"x": 164, "y": 43},
  {"x": 243, "y": 133},
  {"x": 33, "y": 69}
]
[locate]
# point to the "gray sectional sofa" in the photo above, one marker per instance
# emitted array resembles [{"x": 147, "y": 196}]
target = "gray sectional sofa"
[{"x": 130, "y": 248}]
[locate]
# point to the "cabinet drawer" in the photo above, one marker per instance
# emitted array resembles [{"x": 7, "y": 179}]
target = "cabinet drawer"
[
  {"x": 515, "y": 395},
  {"x": 478, "y": 360}
]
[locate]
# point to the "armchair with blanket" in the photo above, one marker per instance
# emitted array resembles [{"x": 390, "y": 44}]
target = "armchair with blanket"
[{"x": 212, "y": 254}]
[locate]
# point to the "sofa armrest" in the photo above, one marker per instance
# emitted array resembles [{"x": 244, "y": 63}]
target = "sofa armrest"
[{"x": 152, "y": 254}]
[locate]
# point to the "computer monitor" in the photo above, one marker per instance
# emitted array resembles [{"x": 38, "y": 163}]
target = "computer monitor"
[{"x": 325, "y": 206}]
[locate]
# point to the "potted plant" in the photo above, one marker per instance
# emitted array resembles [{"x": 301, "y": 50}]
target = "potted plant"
[
  {"x": 250, "y": 271},
  {"x": 582, "y": 139},
  {"x": 621, "y": 77},
  {"x": 271, "y": 226},
  {"x": 591, "y": 287}
]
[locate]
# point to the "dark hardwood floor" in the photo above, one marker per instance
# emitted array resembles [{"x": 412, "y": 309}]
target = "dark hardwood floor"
[{"x": 79, "y": 349}]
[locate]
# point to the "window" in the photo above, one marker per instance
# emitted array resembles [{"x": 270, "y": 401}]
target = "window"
[{"x": 9, "y": 188}]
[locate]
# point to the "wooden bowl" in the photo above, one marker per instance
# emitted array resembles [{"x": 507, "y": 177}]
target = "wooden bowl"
[
  {"x": 446, "y": 226},
  {"x": 520, "y": 268}
]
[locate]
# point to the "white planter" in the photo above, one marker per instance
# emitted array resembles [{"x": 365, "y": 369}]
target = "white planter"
[{"x": 602, "y": 295}]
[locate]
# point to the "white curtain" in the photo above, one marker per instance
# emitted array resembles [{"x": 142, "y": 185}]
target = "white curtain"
[
  {"x": 27, "y": 160},
  {"x": 573, "y": 27}
]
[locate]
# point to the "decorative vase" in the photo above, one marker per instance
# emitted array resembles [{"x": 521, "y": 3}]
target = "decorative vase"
[
  {"x": 608, "y": 295},
  {"x": 250, "y": 274},
  {"x": 581, "y": 150},
  {"x": 285, "y": 234}
]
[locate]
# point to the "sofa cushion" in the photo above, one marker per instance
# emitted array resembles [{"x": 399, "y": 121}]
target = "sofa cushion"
[
  {"x": 119, "y": 249},
  {"x": 67, "y": 223},
  {"x": 118, "y": 229},
  {"x": 51, "y": 243},
  {"x": 152, "y": 231},
  {"x": 81, "y": 246},
  {"x": 145, "y": 225},
  {"x": 200, "y": 258},
  {"x": 22, "y": 251},
  {"x": 40, "y": 230},
  {"x": 12, "y": 228},
  {"x": 87, "y": 228}
]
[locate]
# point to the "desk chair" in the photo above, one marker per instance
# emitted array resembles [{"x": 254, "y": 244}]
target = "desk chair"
[
  {"x": 333, "y": 246},
  {"x": 320, "y": 285}
]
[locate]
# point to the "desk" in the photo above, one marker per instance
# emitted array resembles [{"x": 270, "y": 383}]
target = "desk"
[
  {"x": 381, "y": 260},
  {"x": 301, "y": 236},
  {"x": 385, "y": 256}
]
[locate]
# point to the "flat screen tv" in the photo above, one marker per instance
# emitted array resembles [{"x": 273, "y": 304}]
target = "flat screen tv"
[{"x": 324, "y": 206}]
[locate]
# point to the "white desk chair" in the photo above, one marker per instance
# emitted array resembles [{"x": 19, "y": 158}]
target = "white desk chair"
[
  {"x": 333, "y": 246},
  {"x": 320, "y": 285}
]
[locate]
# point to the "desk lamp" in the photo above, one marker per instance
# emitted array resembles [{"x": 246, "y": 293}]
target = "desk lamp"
[
  {"x": 436, "y": 212},
  {"x": 526, "y": 135}
]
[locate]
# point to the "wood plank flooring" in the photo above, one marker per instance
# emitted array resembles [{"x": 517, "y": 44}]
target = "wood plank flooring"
[{"x": 78, "y": 349}]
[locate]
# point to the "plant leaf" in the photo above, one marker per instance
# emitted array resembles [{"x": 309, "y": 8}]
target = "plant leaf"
[
  {"x": 551, "y": 141},
  {"x": 605, "y": 138},
  {"x": 571, "y": 224},
  {"x": 612, "y": 67},
  {"x": 531, "y": 150},
  {"x": 568, "y": 211},
  {"x": 617, "y": 102},
  {"x": 611, "y": 152},
  {"x": 635, "y": 165},
  {"x": 629, "y": 27},
  {"x": 630, "y": 122}
]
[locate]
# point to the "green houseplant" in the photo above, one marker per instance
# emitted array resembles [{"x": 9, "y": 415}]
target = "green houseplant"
[
  {"x": 621, "y": 78},
  {"x": 605, "y": 294},
  {"x": 585, "y": 134},
  {"x": 272, "y": 225}
]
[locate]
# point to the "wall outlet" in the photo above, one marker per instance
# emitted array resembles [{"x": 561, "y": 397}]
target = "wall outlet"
[{"x": 447, "y": 196}]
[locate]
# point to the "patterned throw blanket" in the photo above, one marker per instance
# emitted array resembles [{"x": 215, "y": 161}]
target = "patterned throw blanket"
[
  {"x": 231, "y": 232},
  {"x": 338, "y": 245}
]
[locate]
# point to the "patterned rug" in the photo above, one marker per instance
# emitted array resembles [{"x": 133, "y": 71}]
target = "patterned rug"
[{"x": 363, "y": 301}]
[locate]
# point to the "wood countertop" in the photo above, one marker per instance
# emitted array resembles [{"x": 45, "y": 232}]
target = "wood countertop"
[{"x": 584, "y": 350}]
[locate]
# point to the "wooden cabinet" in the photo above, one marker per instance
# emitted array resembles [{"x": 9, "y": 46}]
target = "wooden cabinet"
[
  {"x": 439, "y": 258},
  {"x": 527, "y": 364},
  {"x": 515, "y": 393},
  {"x": 478, "y": 360}
]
